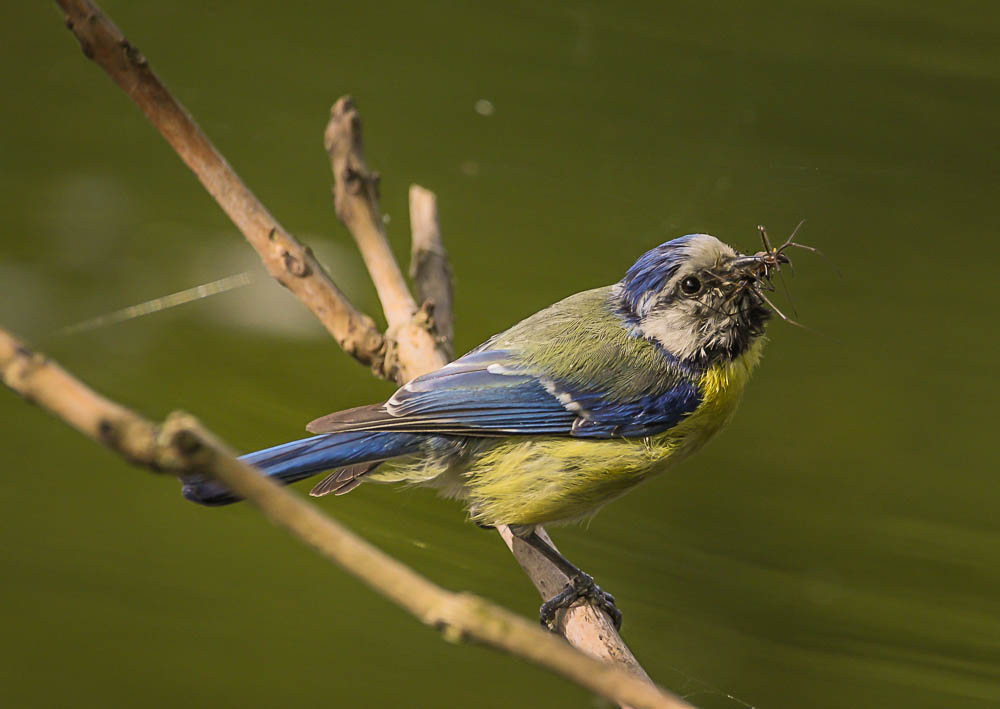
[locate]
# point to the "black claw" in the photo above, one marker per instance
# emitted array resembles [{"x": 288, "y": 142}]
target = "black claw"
[{"x": 580, "y": 586}]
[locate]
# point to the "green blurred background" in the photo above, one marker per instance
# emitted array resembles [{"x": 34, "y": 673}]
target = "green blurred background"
[{"x": 839, "y": 545}]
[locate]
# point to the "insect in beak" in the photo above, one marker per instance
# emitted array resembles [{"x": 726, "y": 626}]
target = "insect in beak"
[
  {"x": 759, "y": 268},
  {"x": 762, "y": 264}
]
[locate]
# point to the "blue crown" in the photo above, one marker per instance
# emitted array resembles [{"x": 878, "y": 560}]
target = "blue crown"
[{"x": 652, "y": 271}]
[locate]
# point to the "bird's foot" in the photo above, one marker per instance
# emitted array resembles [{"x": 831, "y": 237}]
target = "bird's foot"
[{"x": 580, "y": 586}]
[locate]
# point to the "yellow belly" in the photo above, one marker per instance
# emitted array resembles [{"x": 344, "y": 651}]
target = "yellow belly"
[{"x": 553, "y": 479}]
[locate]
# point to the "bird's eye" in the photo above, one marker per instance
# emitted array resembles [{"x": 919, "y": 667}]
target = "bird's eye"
[{"x": 690, "y": 285}]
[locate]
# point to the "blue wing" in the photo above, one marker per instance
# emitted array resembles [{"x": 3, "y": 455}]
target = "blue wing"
[{"x": 495, "y": 393}]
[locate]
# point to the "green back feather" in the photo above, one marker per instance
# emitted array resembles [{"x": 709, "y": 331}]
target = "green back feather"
[{"x": 581, "y": 341}]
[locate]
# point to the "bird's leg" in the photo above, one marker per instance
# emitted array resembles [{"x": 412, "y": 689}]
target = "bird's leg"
[{"x": 581, "y": 585}]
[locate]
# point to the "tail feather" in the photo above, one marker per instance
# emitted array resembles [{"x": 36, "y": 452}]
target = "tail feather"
[
  {"x": 342, "y": 480},
  {"x": 297, "y": 460}
]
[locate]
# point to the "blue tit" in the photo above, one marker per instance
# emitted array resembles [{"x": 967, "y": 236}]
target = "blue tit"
[{"x": 565, "y": 411}]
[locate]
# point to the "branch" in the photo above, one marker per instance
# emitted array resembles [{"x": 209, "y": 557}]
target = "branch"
[
  {"x": 412, "y": 350},
  {"x": 409, "y": 347},
  {"x": 430, "y": 268},
  {"x": 183, "y": 447},
  {"x": 291, "y": 263},
  {"x": 584, "y": 626}
]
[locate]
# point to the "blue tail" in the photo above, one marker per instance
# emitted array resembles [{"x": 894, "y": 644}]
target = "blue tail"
[{"x": 297, "y": 460}]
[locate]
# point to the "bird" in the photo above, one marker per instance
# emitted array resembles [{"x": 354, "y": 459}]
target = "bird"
[{"x": 564, "y": 412}]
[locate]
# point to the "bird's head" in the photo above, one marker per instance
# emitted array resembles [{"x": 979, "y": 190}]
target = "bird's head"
[{"x": 701, "y": 299}]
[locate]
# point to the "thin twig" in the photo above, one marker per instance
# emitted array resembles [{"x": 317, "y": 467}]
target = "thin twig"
[
  {"x": 285, "y": 258},
  {"x": 411, "y": 348},
  {"x": 430, "y": 268},
  {"x": 355, "y": 196},
  {"x": 182, "y": 446}
]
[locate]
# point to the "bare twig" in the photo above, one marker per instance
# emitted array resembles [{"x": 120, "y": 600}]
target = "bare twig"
[
  {"x": 409, "y": 348},
  {"x": 285, "y": 258},
  {"x": 412, "y": 349},
  {"x": 182, "y": 446},
  {"x": 583, "y": 625},
  {"x": 430, "y": 268}
]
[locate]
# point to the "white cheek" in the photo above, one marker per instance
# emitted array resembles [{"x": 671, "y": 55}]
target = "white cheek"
[{"x": 674, "y": 330}]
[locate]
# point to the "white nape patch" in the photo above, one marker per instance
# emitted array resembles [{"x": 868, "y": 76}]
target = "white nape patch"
[{"x": 646, "y": 303}]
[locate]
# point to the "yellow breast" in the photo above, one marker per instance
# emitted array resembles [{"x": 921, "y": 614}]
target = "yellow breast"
[
  {"x": 721, "y": 389},
  {"x": 551, "y": 479}
]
